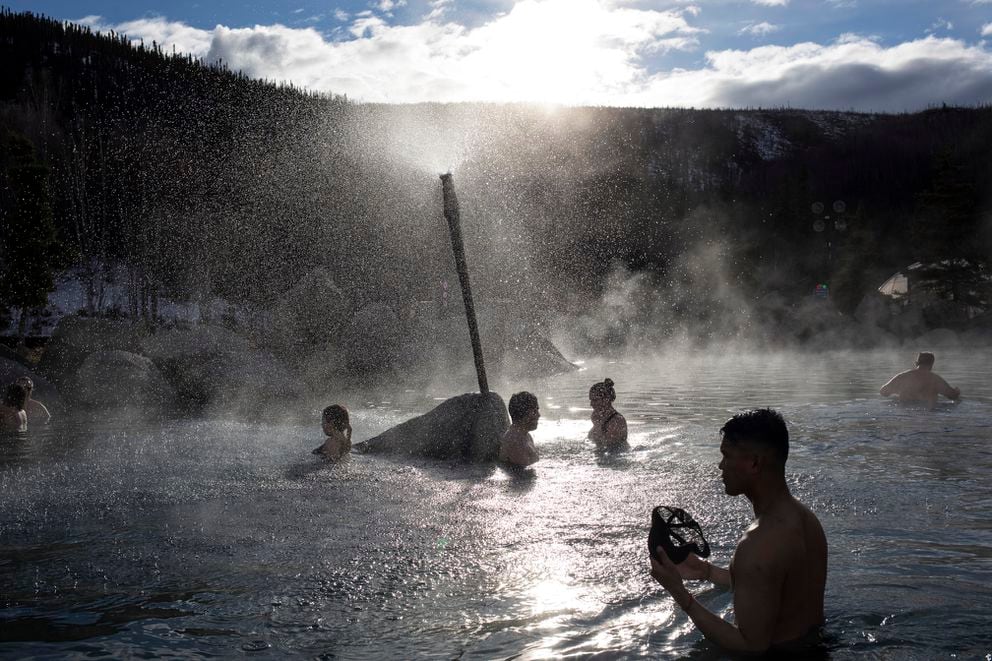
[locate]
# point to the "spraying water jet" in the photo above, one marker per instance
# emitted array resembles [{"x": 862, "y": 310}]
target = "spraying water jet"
[{"x": 467, "y": 426}]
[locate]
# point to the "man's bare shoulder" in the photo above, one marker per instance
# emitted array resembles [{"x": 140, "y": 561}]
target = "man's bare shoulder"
[{"x": 788, "y": 518}]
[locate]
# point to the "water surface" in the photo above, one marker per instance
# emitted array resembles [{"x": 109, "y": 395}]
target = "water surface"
[{"x": 224, "y": 538}]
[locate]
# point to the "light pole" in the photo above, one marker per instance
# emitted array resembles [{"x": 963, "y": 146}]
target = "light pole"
[{"x": 822, "y": 223}]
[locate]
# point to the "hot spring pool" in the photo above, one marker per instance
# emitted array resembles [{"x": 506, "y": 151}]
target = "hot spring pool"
[{"x": 219, "y": 538}]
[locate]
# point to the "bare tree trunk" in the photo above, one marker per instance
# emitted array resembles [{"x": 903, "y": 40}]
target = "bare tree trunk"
[{"x": 22, "y": 326}]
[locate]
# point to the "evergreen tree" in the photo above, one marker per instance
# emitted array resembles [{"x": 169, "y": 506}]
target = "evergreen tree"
[
  {"x": 944, "y": 224},
  {"x": 27, "y": 231}
]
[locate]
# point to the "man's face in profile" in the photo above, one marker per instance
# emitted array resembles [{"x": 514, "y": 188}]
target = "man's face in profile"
[
  {"x": 733, "y": 462},
  {"x": 531, "y": 419}
]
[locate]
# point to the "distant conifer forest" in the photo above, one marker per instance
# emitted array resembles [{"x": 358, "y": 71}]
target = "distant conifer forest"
[{"x": 198, "y": 182}]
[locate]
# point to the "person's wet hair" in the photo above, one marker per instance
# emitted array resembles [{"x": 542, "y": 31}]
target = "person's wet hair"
[
  {"x": 761, "y": 426},
  {"x": 26, "y": 382},
  {"x": 521, "y": 404},
  {"x": 603, "y": 389},
  {"x": 16, "y": 396},
  {"x": 337, "y": 416},
  {"x": 925, "y": 359}
]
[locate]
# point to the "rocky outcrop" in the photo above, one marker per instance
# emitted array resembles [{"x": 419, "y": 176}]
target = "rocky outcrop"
[
  {"x": 313, "y": 312},
  {"x": 120, "y": 379},
  {"x": 374, "y": 340},
  {"x": 75, "y": 338},
  {"x": 467, "y": 427}
]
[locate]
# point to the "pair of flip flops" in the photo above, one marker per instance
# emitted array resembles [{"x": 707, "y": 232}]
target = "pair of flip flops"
[{"x": 677, "y": 533}]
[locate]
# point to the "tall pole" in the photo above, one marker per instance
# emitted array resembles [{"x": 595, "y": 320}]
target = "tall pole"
[{"x": 451, "y": 214}]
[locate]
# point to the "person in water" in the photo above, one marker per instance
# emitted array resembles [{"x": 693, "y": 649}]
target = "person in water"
[
  {"x": 517, "y": 445},
  {"x": 609, "y": 428},
  {"x": 337, "y": 428},
  {"x": 12, "y": 415},
  {"x": 35, "y": 410},
  {"x": 779, "y": 570},
  {"x": 920, "y": 385}
]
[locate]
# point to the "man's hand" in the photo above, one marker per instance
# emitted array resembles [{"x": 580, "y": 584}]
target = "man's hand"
[{"x": 667, "y": 573}]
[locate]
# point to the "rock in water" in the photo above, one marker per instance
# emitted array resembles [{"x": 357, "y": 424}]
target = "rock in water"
[{"x": 467, "y": 427}]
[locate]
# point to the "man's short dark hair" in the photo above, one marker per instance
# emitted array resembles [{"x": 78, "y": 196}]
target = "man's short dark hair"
[
  {"x": 762, "y": 426},
  {"x": 924, "y": 359},
  {"x": 521, "y": 404},
  {"x": 15, "y": 396}
]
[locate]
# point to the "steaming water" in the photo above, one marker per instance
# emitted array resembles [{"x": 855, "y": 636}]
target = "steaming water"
[{"x": 202, "y": 538}]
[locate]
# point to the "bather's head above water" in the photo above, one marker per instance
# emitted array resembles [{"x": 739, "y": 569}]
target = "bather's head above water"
[
  {"x": 602, "y": 394},
  {"x": 755, "y": 445},
  {"x": 335, "y": 419},
  {"x": 925, "y": 360},
  {"x": 524, "y": 410}
]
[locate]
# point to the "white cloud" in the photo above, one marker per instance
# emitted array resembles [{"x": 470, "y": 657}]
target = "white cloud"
[
  {"x": 987, "y": 30},
  {"x": 759, "y": 29},
  {"x": 771, "y": 3},
  {"x": 341, "y": 15},
  {"x": 167, "y": 34},
  {"x": 859, "y": 74},
  {"x": 589, "y": 52},
  {"x": 940, "y": 24},
  {"x": 389, "y": 5},
  {"x": 438, "y": 9}
]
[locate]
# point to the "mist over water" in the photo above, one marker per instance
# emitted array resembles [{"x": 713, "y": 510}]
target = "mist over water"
[{"x": 212, "y": 537}]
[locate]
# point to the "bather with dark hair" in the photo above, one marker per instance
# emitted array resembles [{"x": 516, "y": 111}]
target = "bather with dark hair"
[
  {"x": 609, "y": 427},
  {"x": 517, "y": 446},
  {"x": 12, "y": 414},
  {"x": 336, "y": 425},
  {"x": 778, "y": 572},
  {"x": 920, "y": 385},
  {"x": 35, "y": 410}
]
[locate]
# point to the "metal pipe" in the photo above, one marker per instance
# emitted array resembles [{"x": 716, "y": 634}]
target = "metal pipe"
[{"x": 452, "y": 215}]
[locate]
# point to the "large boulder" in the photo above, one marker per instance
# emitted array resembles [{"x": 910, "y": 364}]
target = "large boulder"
[
  {"x": 185, "y": 344},
  {"x": 214, "y": 368},
  {"x": 44, "y": 390},
  {"x": 75, "y": 338},
  {"x": 467, "y": 427},
  {"x": 120, "y": 379},
  {"x": 255, "y": 385},
  {"x": 528, "y": 353},
  {"x": 313, "y": 312},
  {"x": 374, "y": 339}
]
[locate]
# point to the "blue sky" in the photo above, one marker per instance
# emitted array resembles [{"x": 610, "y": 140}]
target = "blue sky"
[{"x": 872, "y": 55}]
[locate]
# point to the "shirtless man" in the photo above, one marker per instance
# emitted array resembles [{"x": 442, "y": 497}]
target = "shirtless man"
[
  {"x": 517, "y": 446},
  {"x": 12, "y": 415},
  {"x": 920, "y": 385},
  {"x": 35, "y": 410},
  {"x": 779, "y": 570}
]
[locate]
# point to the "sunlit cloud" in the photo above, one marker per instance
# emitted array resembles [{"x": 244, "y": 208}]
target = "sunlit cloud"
[
  {"x": 389, "y": 5},
  {"x": 987, "y": 30},
  {"x": 759, "y": 29},
  {"x": 588, "y": 52},
  {"x": 940, "y": 24},
  {"x": 165, "y": 33},
  {"x": 341, "y": 15},
  {"x": 771, "y": 3},
  {"x": 856, "y": 73}
]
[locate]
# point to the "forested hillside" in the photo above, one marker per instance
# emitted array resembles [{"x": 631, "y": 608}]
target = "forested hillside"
[{"x": 203, "y": 183}]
